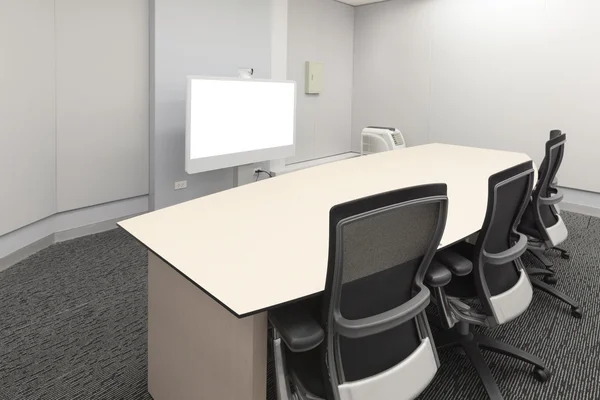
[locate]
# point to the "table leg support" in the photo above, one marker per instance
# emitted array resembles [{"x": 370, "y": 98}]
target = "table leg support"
[{"x": 196, "y": 348}]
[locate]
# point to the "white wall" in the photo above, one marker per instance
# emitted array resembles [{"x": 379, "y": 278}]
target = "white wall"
[
  {"x": 279, "y": 39},
  {"x": 102, "y": 52},
  {"x": 490, "y": 85},
  {"x": 73, "y": 116},
  {"x": 392, "y": 68},
  {"x": 102, "y": 101},
  {"x": 489, "y": 73},
  {"x": 322, "y": 31},
  {"x": 27, "y": 118},
  {"x": 198, "y": 37},
  {"x": 573, "y": 30}
]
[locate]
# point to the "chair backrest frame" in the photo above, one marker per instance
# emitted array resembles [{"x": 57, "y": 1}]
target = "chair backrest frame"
[
  {"x": 553, "y": 159},
  {"x": 340, "y": 217},
  {"x": 496, "y": 182},
  {"x": 544, "y": 165}
]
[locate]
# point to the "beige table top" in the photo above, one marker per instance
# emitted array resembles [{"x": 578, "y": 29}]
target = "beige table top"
[{"x": 261, "y": 245}]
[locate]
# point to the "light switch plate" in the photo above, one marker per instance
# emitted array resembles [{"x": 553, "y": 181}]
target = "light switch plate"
[{"x": 314, "y": 77}]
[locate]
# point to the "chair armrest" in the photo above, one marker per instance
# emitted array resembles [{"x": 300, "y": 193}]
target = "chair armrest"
[
  {"x": 550, "y": 201},
  {"x": 456, "y": 263},
  {"x": 358, "y": 328},
  {"x": 509, "y": 255},
  {"x": 297, "y": 328},
  {"x": 437, "y": 274}
]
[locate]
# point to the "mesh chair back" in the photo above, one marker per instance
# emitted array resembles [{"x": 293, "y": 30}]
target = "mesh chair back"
[
  {"x": 380, "y": 248},
  {"x": 555, "y": 133},
  {"x": 546, "y": 216},
  {"x": 508, "y": 195},
  {"x": 544, "y": 166}
]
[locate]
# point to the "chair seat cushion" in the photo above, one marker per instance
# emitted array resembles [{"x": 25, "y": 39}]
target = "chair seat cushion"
[
  {"x": 297, "y": 326},
  {"x": 306, "y": 367},
  {"x": 529, "y": 231},
  {"x": 463, "y": 286},
  {"x": 455, "y": 262},
  {"x": 437, "y": 274}
]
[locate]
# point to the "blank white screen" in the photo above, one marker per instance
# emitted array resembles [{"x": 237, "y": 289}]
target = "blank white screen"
[{"x": 228, "y": 117}]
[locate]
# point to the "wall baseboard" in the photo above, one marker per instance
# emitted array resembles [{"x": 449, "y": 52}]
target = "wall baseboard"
[
  {"x": 91, "y": 229},
  {"x": 286, "y": 169},
  {"x": 26, "y": 252},
  {"x": 25, "y": 242},
  {"x": 581, "y": 202},
  {"x": 581, "y": 209}
]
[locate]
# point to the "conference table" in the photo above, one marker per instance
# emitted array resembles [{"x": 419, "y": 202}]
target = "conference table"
[{"x": 217, "y": 264}]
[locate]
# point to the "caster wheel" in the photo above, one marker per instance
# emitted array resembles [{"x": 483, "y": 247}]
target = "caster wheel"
[
  {"x": 576, "y": 312},
  {"x": 551, "y": 280},
  {"x": 551, "y": 269},
  {"x": 565, "y": 256},
  {"x": 541, "y": 374}
]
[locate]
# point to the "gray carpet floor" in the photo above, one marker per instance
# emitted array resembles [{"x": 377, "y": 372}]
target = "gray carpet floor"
[{"x": 73, "y": 326}]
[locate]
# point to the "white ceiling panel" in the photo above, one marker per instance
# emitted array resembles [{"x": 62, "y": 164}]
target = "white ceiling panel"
[{"x": 360, "y": 2}]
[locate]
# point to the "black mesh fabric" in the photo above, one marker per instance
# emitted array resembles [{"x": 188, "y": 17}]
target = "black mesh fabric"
[
  {"x": 549, "y": 215},
  {"x": 528, "y": 225},
  {"x": 381, "y": 256},
  {"x": 539, "y": 217},
  {"x": 509, "y": 201},
  {"x": 393, "y": 237},
  {"x": 370, "y": 296},
  {"x": 552, "y": 161},
  {"x": 543, "y": 170}
]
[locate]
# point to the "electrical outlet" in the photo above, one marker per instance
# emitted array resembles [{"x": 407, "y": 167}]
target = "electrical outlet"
[{"x": 180, "y": 185}]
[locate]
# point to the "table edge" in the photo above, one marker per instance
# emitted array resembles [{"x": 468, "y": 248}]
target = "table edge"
[
  {"x": 250, "y": 313},
  {"x": 225, "y": 306}
]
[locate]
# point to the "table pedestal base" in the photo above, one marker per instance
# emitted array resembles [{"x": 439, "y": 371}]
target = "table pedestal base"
[{"x": 196, "y": 348}]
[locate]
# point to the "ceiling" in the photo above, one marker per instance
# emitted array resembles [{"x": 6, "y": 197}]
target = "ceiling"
[{"x": 359, "y": 2}]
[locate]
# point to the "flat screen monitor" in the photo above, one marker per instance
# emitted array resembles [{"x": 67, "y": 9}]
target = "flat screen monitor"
[{"x": 232, "y": 122}]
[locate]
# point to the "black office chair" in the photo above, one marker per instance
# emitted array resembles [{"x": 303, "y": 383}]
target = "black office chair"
[
  {"x": 367, "y": 336},
  {"x": 543, "y": 224},
  {"x": 551, "y": 191},
  {"x": 490, "y": 286},
  {"x": 553, "y": 187}
]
